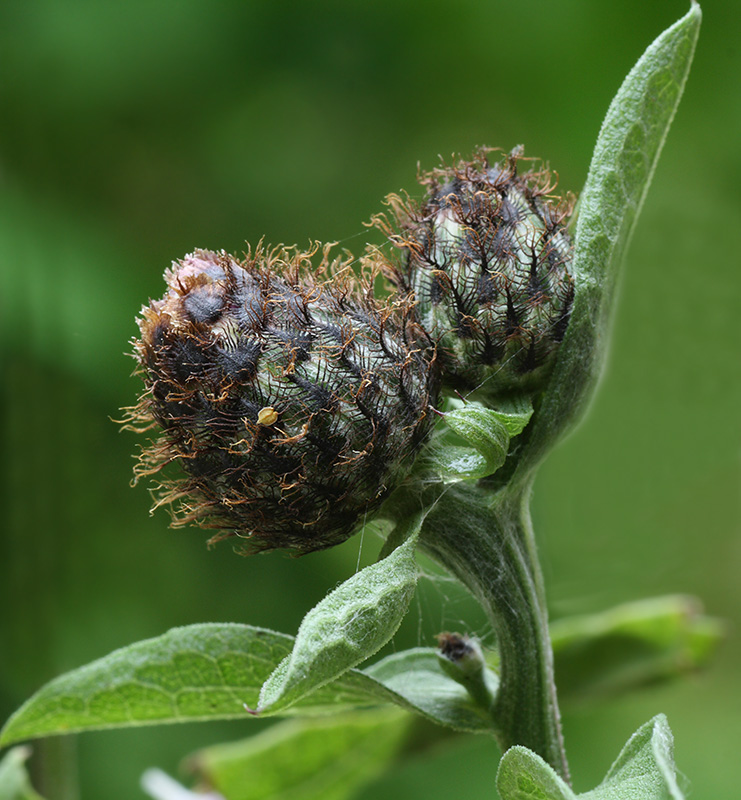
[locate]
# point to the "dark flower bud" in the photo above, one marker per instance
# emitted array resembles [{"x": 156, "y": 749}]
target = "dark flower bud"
[
  {"x": 486, "y": 257},
  {"x": 292, "y": 400},
  {"x": 462, "y": 659}
]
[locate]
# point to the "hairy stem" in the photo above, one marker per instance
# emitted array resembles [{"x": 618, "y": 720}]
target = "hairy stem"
[{"x": 487, "y": 543}]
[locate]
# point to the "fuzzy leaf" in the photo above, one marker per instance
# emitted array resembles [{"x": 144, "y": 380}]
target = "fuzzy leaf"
[
  {"x": 601, "y": 653},
  {"x": 623, "y": 164},
  {"x": 523, "y": 775},
  {"x": 416, "y": 676},
  {"x": 317, "y": 759},
  {"x": 488, "y": 433},
  {"x": 349, "y": 625},
  {"x": 198, "y": 672},
  {"x": 205, "y": 672},
  {"x": 412, "y": 680},
  {"x": 644, "y": 770},
  {"x": 14, "y": 782}
]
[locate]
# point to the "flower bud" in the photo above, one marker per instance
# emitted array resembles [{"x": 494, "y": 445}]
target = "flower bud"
[
  {"x": 487, "y": 261},
  {"x": 462, "y": 659},
  {"x": 292, "y": 401}
]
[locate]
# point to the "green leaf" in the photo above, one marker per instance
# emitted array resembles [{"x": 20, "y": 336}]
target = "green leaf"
[
  {"x": 457, "y": 462},
  {"x": 523, "y": 775},
  {"x": 486, "y": 430},
  {"x": 644, "y": 770},
  {"x": 417, "y": 677},
  {"x": 623, "y": 164},
  {"x": 209, "y": 671},
  {"x": 482, "y": 426},
  {"x": 413, "y": 680},
  {"x": 14, "y": 782},
  {"x": 317, "y": 759},
  {"x": 198, "y": 672},
  {"x": 631, "y": 645},
  {"x": 349, "y": 625}
]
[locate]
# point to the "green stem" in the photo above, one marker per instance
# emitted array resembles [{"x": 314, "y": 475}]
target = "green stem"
[
  {"x": 488, "y": 544},
  {"x": 53, "y": 768}
]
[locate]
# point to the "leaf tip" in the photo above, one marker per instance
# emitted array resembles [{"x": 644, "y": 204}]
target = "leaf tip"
[
  {"x": 694, "y": 15},
  {"x": 255, "y": 712}
]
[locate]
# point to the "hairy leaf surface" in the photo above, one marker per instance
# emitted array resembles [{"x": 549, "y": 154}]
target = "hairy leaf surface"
[
  {"x": 346, "y": 627},
  {"x": 198, "y": 672},
  {"x": 644, "y": 770}
]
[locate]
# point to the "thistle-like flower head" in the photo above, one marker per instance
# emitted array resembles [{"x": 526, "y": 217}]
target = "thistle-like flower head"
[
  {"x": 486, "y": 257},
  {"x": 290, "y": 398}
]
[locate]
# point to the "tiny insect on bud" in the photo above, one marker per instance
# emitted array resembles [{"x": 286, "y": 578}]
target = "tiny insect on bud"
[
  {"x": 267, "y": 416},
  {"x": 486, "y": 257},
  {"x": 292, "y": 400}
]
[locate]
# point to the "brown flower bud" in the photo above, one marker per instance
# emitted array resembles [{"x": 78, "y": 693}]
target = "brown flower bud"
[{"x": 292, "y": 400}]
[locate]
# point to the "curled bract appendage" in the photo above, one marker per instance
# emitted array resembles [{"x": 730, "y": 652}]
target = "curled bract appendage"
[
  {"x": 486, "y": 256},
  {"x": 290, "y": 398}
]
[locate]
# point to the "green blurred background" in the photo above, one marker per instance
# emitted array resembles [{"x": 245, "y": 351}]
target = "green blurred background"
[{"x": 132, "y": 132}]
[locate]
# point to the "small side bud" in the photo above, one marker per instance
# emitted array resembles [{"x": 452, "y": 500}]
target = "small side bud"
[
  {"x": 486, "y": 257},
  {"x": 462, "y": 659},
  {"x": 290, "y": 398}
]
